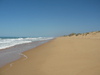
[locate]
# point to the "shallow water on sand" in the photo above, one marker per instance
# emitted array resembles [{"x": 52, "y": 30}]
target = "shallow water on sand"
[{"x": 11, "y": 54}]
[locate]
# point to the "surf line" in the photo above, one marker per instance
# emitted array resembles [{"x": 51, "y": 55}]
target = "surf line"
[
  {"x": 13, "y": 63},
  {"x": 8, "y": 67},
  {"x": 26, "y": 57},
  {"x": 23, "y": 59}
]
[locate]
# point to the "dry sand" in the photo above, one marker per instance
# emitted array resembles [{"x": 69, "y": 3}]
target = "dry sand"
[{"x": 76, "y": 55}]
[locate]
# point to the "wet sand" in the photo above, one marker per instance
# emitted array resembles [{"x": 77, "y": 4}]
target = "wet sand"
[
  {"x": 76, "y": 55},
  {"x": 14, "y": 53}
]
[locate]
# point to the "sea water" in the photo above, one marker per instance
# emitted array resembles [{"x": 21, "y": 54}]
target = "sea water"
[
  {"x": 11, "y": 48},
  {"x": 6, "y": 42}
]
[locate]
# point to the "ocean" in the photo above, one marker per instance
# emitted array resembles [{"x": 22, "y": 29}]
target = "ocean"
[
  {"x": 11, "y": 48},
  {"x": 6, "y": 42}
]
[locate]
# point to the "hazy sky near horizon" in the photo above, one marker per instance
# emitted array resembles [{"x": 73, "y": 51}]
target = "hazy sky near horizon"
[{"x": 33, "y": 18}]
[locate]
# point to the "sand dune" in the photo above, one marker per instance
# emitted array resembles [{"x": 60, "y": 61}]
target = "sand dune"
[
  {"x": 75, "y": 55},
  {"x": 88, "y": 35}
]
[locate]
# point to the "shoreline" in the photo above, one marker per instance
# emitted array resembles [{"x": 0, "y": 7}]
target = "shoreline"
[
  {"x": 60, "y": 56},
  {"x": 23, "y": 56},
  {"x": 14, "y": 53}
]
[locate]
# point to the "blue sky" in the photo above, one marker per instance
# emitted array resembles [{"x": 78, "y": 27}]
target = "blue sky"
[{"x": 33, "y": 18}]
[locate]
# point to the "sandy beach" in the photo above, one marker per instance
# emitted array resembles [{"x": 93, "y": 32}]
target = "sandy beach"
[{"x": 75, "y": 55}]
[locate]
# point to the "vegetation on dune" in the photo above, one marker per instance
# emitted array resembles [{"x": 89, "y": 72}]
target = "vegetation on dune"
[
  {"x": 77, "y": 34},
  {"x": 85, "y": 33},
  {"x": 72, "y": 34}
]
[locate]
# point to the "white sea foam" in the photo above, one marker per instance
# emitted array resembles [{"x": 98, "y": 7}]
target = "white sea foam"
[{"x": 9, "y": 42}]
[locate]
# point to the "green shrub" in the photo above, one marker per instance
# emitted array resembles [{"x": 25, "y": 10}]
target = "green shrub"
[
  {"x": 78, "y": 34},
  {"x": 72, "y": 34},
  {"x": 86, "y": 33}
]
